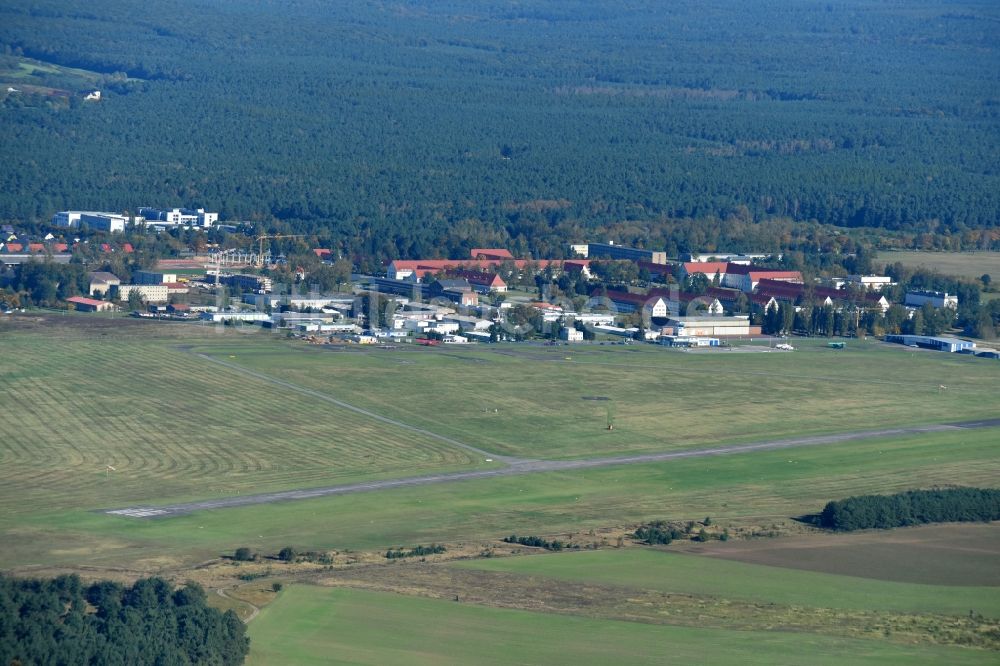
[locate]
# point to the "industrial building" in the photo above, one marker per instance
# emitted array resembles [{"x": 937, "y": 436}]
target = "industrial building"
[
  {"x": 153, "y": 277},
  {"x": 111, "y": 222},
  {"x": 84, "y": 304},
  {"x": 257, "y": 284},
  {"x": 939, "y": 299},
  {"x": 710, "y": 326},
  {"x": 937, "y": 343},
  {"x": 687, "y": 341},
  {"x": 612, "y": 251}
]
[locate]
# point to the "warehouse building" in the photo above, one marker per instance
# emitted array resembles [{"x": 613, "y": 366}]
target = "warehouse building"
[
  {"x": 938, "y": 343},
  {"x": 612, "y": 251}
]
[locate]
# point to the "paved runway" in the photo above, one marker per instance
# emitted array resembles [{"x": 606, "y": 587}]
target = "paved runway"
[{"x": 518, "y": 466}]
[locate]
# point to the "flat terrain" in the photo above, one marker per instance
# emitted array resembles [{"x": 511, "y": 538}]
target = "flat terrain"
[
  {"x": 311, "y": 624},
  {"x": 962, "y": 264},
  {"x": 530, "y": 401},
  {"x": 689, "y": 573},
  {"x": 171, "y": 426},
  {"x": 185, "y": 413},
  {"x": 763, "y": 488},
  {"x": 517, "y": 467},
  {"x": 82, "y": 393},
  {"x": 967, "y": 554}
]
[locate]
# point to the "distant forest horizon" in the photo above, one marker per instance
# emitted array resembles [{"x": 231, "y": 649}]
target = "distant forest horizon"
[{"x": 418, "y": 128}]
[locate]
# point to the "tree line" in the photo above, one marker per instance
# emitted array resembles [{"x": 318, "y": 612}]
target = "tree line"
[
  {"x": 63, "y": 621},
  {"x": 437, "y": 133},
  {"x": 913, "y": 507}
]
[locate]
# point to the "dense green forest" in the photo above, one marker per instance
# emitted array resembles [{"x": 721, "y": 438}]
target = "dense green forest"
[
  {"x": 421, "y": 127},
  {"x": 913, "y": 507},
  {"x": 63, "y": 621}
]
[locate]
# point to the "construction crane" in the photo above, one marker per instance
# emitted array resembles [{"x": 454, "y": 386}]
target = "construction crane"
[
  {"x": 219, "y": 258},
  {"x": 259, "y": 261}
]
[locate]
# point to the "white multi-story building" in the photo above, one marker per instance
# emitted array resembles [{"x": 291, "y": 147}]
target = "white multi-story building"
[
  {"x": 111, "y": 222},
  {"x": 182, "y": 217},
  {"x": 151, "y": 293}
]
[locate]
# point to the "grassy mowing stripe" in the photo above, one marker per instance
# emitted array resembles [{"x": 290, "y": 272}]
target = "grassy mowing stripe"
[
  {"x": 763, "y": 488},
  {"x": 172, "y": 427}
]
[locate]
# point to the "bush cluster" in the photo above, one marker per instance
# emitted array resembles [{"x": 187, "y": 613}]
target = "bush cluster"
[
  {"x": 535, "y": 542},
  {"x": 419, "y": 551},
  {"x": 657, "y": 533}
]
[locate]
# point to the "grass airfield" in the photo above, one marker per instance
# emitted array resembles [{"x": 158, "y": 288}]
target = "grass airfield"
[{"x": 174, "y": 426}]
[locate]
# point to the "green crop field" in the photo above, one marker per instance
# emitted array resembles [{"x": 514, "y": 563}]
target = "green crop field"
[
  {"x": 311, "y": 625},
  {"x": 693, "y": 574},
  {"x": 971, "y": 265},
  {"x": 533, "y": 401}
]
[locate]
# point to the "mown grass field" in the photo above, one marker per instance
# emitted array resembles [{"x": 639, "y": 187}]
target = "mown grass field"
[
  {"x": 972, "y": 265},
  {"x": 531, "y": 401},
  {"x": 759, "y": 488},
  {"x": 172, "y": 426},
  {"x": 309, "y": 625},
  {"x": 694, "y": 574}
]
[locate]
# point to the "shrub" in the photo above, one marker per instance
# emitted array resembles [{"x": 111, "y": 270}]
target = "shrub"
[
  {"x": 535, "y": 542},
  {"x": 419, "y": 551},
  {"x": 657, "y": 533}
]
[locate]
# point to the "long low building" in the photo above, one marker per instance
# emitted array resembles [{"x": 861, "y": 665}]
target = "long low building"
[
  {"x": 15, "y": 258},
  {"x": 938, "y": 343},
  {"x": 687, "y": 341},
  {"x": 244, "y": 316},
  {"x": 84, "y": 304},
  {"x": 102, "y": 221},
  {"x": 738, "y": 325}
]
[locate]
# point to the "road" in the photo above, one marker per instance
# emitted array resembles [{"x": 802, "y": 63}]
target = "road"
[{"x": 518, "y": 467}]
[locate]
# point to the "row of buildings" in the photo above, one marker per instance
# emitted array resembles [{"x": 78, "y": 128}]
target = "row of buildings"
[{"x": 146, "y": 216}]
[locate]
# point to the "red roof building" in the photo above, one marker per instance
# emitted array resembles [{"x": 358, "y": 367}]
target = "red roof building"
[
  {"x": 415, "y": 269},
  {"x": 798, "y": 293},
  {"x": 484, "y": 282},
  {"x": 85, "y": 304},
  {"x": 490, "y": 253},
  {"x": 706, "y": 268}
]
